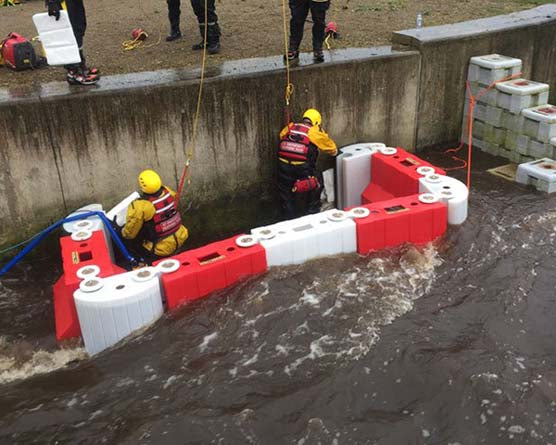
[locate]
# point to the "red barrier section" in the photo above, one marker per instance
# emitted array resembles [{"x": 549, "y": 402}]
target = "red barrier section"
[
  {"x": 75, "y": 255},
  {"x": 210, "y": 268},
  {"x": 400, "y": 220},
  {"x": 395, "y": 175}
]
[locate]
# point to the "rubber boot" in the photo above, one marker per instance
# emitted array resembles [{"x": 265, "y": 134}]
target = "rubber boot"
[
  {"x": 201, "y": 44},
  {"x": 213, "y": 39},
  {"x": 76, "y": 76},
  {"x": 175, "y": 34}
]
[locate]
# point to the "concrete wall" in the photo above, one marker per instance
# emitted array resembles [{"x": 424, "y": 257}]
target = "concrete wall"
[
  {"x": 528, "y": 35},
  {"x": 64, "y": 147}
]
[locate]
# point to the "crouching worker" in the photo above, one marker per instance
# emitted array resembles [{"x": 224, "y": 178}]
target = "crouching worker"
[
  {"x": 153, "y": 220},
  {"x": 299, "y": 183}
]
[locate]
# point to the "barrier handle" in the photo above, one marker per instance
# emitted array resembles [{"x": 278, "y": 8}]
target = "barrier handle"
[{"x": 57, "y": 224}]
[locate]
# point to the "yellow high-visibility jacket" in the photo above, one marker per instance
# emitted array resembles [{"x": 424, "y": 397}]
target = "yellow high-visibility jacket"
[
  {"x": 141, "y": 211},
  {"x": 318, "y": 137}
]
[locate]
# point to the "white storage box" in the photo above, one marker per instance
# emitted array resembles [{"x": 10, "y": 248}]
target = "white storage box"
[
  {"x": 482, "y": 94},
  {"x": 478, "y": 130},
  {"x": 119, "y": 211},
  {"x": 494, "y": 135},
  {"x": 109, "y": 309},
  {"x": 540, "y": 173},
  {"x": 512, "y": 122},
  {"x": 57, "y": 38},
  {"x": 515, "y": 95},
  {"x": 299, "y": 240},
  {"x": 523, "y": 144},
  {"x": 479, "y": 112},
  {"x": 490, "y": 68},
  {"x": 538, "y": 149},
  {"x": 451, "y": 191}
]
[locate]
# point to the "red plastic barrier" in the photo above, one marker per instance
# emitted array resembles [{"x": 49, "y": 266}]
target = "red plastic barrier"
[
  {"x": 75, "y": 255},
  {"x": 210, "y": 268},
  {"x": 396, "y": 175},
  {"x": 375, "y": 193},
  {"x": 400, "y": 220}
]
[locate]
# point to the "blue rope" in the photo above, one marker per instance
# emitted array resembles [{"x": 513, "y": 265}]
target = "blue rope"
[{"x": 41, "y": 235}]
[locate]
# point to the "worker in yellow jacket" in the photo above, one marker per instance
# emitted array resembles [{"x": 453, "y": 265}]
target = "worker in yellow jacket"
[
  {"x": 299, "y": 183},
  {"x": 154, "y": 219}
]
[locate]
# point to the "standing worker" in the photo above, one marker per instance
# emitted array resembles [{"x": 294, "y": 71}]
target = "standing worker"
[
  {"x": 154, "y": 220},
  {"x": 213, "y": 30},
  {"x": 299, "y": 11},
  {"x": 78, "y": 74},
  {"x": 299, "y": 183}
]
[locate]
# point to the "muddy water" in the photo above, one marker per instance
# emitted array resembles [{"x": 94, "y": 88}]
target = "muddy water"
[{"x": 452, "y": 344}]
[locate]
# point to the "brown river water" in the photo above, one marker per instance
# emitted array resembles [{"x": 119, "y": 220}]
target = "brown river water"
[{"x": 451, "y": 344}]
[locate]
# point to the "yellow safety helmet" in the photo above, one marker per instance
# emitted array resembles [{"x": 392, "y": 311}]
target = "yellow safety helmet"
[
  {"x": 149, "y": 181},
  {"x": 313, "y": 115}
]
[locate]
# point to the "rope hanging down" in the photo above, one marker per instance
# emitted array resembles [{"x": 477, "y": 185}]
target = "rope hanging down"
[
  {"x": 190, "y": 148},
  {"x": 289, "y": 84},
  {"x": 469, "y": 127}
]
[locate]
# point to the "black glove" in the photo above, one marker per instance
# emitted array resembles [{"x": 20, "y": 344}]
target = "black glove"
[{"x": 54, "y": 8}]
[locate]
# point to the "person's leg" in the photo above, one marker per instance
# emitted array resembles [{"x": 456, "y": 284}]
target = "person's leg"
[
  {"x": 314, "y": 202},
  {"x": 318, "y": 13},
  {"x": 174, "y": 19},
  {"x": 78, "y": 73},
  {"x": 299, "y": 10},
  {"x": 213, "y": 29},
  {"x": 286, "y": 178}
]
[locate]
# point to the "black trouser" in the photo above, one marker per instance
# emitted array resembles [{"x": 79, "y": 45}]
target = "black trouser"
[
  {"x": 297, "y": 204},
  {"x": 174, "y": 14},
  {"x": 78, "y": 20},
  {"x": 299, "y": 11},
  {"x": 199, "y": 10}
]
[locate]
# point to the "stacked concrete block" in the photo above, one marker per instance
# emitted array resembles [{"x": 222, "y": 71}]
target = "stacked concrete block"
[
  {"x": 539, "y": 173},
  {"x": 511, "y": 118}
]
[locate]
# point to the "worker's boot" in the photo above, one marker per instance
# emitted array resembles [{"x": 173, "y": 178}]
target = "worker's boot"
[
  {"x": 292, "y": 56},
  {"x": 76, "y": 76},
  {"x": 201, "y": 44},
  {"x": 318, "y": 55},
  {"x": 87, "y": 70},
  {"x": 175, "y": 34},
  {"x": 213, "y": 38}
]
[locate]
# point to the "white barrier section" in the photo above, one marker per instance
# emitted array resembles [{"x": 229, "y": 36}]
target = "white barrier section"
[
  {"x": 109, "y": 309},
  {"x": 57, "y": 38},
  {"x": 298, "y": 240},
  {"x": 353, "y": 171},
  {"x": 92, "y": 223},
  {"x": 119, "y": 211},
  {"x": 449, "y": 190}
]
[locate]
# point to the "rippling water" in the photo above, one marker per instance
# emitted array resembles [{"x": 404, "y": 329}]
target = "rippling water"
[{"x": 451, "y": 344}]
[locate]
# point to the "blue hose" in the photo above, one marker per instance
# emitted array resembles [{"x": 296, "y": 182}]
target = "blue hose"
[{"x": 38, "y": 238}]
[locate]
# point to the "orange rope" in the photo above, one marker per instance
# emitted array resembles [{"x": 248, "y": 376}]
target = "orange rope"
[{"x": 469, "y": 126}]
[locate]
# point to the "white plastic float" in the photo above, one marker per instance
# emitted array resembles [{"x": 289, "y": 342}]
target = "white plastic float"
[
  {"x": 540, "y": 173},
  {"x": 517, "y": 94},
  {"x": 451, "y": 191},
  {"x": 302, "y": 239},
  {"x": 109, "y": 309},
  {"x": 57, "y": 38},
  {"x": 353, "y": 170}
]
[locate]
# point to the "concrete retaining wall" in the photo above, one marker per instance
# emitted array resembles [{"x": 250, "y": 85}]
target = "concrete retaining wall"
[
  {"x": 528, "y": 35},
  {"x": 64, "y": 147}
]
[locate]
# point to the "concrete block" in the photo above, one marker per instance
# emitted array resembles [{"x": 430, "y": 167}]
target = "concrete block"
[
  {"x": 517, "y": 94},
  {"x": 490, "y": 68},
  {"x": 479, "y": 112},
  {"x": 505, "y": 153},
  {"x": 513, "y": 122},
  {"x": 510, "y": 141},
  {"x": 540, "y": 122},
  {"x": 515, "y": 157},
  {"x": 478, "y": 129},
  {"x": 494, "y": 135},
  {"x": 540, "y": 173},
  {"x": 479, "y": 143},
  {"x": 494, "y": 116},
  {"x": 492, "y": 149},
  {"x": 482, "y": 94},
  {"x": 523, "y": 144},
  {"x": 538, "y": 149},
  {"x": 524, "y": 159}
]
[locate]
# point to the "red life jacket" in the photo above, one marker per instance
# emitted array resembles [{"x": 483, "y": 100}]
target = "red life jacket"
[
  {"x": 294, "y": 146},
  {"x": 167, "y": 219}
]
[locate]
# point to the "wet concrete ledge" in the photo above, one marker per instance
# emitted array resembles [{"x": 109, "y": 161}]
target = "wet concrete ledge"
[
  {"x": 528, "y": 35},
  {"x": 230, "y": 69},
  {"x": 63, "y": 147}
]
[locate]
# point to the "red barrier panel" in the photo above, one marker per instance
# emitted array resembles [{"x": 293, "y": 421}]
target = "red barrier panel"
[
  {"x": 75, "y": 255},
  {"x": 400, "y": 220},
  {"x": 375, "y": 193},
  {"x": 395, "y": 175},
  {"x": 210, "y": 268}
]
